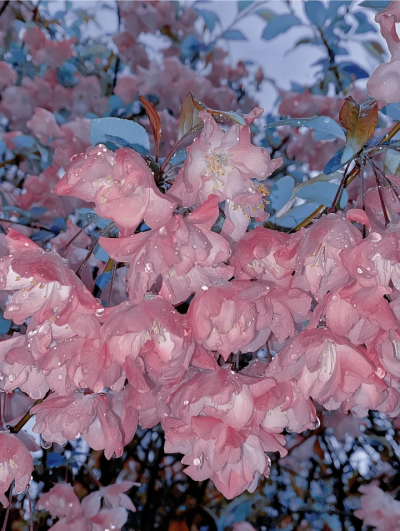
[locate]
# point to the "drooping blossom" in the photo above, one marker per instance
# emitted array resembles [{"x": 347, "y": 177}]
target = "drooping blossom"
[
  {"x": 106, "y": 421},
  {"x": 383, "y": 85},
  {"x": 187, "y": 254},
  {"x": 307, "y": 105},
  {"x": 8, "y": 75},
  {"x": 319, "y": 266},
  {"x": 224, "y": 163},
  {"x": 43, "y": 285},
  {"x": 240, "y": 315},
  {"x": 326, "y": 367},
  {"x": 361, "y": 324},
  {"x": 211, "y": 424},
  {"x": 279, "y": 405},
  {"x": 265, "y": 254},
  {"x": 151, "y": 336},
  {"x": 62, "y": 502},
  {"x": 16, "y": 464},
  {"x": 114, "y": 515},
  {"x": 371, "y": 264},
  {"x": 44, "y": 50},
  {"x": 378, "y": 508},
  {"x": 120, "y": 184},
  {"x": 131, "y": 52}
]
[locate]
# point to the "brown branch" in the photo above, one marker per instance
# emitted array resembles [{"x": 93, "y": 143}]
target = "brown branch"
[{"x": 353, "y": 174}]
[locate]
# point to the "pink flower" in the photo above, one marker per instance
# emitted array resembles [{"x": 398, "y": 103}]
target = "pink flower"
[
  {"x": 8, "y": 75},
  {"x": 117, "y": 503},
  {"x": 151, "y": 335},
  {"x": 326, "y": 367},
  {"x": 265, "y": 254},
  {"x": 44, "y": 50},
  {"x": 126, "y": 89},
  {"x": 378, "y": 509},
  {"x": 75, "y": 356},
  {"x": 75, "y": 139},
  {"x": 185, "y": 252},
  {"x": 106, "y": 421},
  {"x": 38, "y": 193},
  {"x": 19, "y": 370},
  {"x": 211, "y": 423},
  {"x": 223, "y": 163},
  {"x": 240, "y": 315},
  {"x": 307, "y": 105},
  {"x": 243, "y": 526},
  {"x": 121, "y": 185},
  {"x": 88, "y": 96},
  {"x": 16, "y": 464},
  {"x": 146, "y": 16},
  {"x": 43, "y": 284},
  {"x": 319, "y": 266},
  {"x": 383, "y": 85},
  {"x": 279, "y": 405},
  {"x": 372, "y": 263},
  {"x": 130, "y": 51},
  {"x": 316, "y": 154},
  {"x": 43, "y": 124},
  {"x": 360, "y": 324},
  {"x": 62, "y": 502}
]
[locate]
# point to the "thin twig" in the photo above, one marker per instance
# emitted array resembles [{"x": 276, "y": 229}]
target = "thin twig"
[
  {"x": 353, "y": 174},
  {"x": 379, "y": 184}
]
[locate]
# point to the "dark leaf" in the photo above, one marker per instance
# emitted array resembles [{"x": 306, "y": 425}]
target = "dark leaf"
[
  {"x": 234, "y": 35},
  {"x": 279, "y": 24},
  {"x": 155, "y": 122}
]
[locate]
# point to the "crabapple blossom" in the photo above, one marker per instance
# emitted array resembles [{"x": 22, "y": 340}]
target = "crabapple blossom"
[
  {"x": 16, "y": 464},
  {"x": 240, "y": 315},
  {"x": 265, "y": 254},
  {"x": 43, "y": 285},
  {"x": 151, "y": 335},
  {"x": 119, "y": 184},
  {"x": 101, "y": 419},
  {"x": 383, "y": 83},
  {"x": 223, "y": 163},
  {"x": 187, "y": 254},
  {"x": 319, "y": 266},
  {"x": 378, "y": 508},
  {"x": 211, "y": 424}
]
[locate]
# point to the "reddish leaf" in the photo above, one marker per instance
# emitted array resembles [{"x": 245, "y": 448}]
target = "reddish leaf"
[
  {"x": 360, "y": 122},
  {"x": 318, "y": 450},
  {"x": 189, "y": 117},
  {"x": 234, "y": 116},
  {"x": 155, "y": 122}
]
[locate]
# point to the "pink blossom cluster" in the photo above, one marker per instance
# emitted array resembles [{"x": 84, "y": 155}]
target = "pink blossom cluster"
[
  {"x": 103, "y": 509},
  {"x": 324, "y": 300}
]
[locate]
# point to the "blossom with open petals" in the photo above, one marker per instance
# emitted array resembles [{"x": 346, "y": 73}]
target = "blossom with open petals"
[
  {"x": 120, "y": 184},
  {"x": 187, "y": 254},
  {"x": 16, "y": 464}
]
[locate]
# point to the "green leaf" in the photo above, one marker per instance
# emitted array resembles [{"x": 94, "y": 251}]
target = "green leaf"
[
  {"x": 234, "y": 35},
  {"x": 379, "y": 5},
  {"x": 323, "y": 193},
  {"x": 279, "y": 24},
  {"x": 322, "y": 124},
  {"x": 374, "y": 48},
  {"x": 122, "y": 133},
  {"x": 242, "y": 4},
  {"x": 316, "y": 12},
  {"x": 266, "y": 15}
]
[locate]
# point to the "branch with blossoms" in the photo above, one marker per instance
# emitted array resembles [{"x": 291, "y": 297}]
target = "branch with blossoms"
[{"x": 208, "y": 297}]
